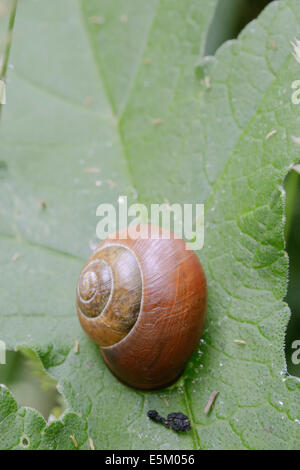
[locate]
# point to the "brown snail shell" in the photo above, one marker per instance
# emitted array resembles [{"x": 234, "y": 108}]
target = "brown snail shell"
[{"x": 144, "y": 302}]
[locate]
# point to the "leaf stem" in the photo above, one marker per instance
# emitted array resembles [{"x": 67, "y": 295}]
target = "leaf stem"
[{"x": 9, "y": 38}]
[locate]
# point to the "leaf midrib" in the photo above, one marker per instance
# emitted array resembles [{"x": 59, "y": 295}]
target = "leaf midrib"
[
  {"x": 97, "y": 60},
  {"x": 99, "y": 66}
]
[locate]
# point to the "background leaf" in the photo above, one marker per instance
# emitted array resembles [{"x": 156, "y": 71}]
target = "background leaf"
[
  {"x": 121, "y": 88},
  {"x": 293, "y": 297},
  {"x": 24, "y": 428}
]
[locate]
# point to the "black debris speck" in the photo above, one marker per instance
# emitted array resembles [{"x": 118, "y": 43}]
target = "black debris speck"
[
  {"x": 176, "y": 421},
  {"x": 152, "y": 414}
]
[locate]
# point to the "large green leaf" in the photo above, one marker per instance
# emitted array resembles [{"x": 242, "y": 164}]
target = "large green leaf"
[
  {"x": 24, "y": 428},
  {"x": 89, "y": 80}
]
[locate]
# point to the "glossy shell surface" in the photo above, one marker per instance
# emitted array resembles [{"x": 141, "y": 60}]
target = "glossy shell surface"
[{"x": 144, "y": 302}]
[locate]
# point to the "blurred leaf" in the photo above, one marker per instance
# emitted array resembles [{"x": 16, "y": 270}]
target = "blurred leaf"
[
  {"x": 24, "y": 374},
  {"x": 24, "y": 428},
  {"x": 230, "y": 19},
  {"x": 293, "y": 248}
]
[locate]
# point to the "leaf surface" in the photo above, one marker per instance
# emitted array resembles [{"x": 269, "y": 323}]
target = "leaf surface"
[{"x": 120, "y": 88}]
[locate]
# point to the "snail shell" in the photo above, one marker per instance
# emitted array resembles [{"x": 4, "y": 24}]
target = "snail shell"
[{"x": 144, "y": 302}]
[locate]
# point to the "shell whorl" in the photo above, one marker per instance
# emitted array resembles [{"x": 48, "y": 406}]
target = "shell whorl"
[
  {"x": 109, "y": 294},
  {"x": 94, "y": 288}
]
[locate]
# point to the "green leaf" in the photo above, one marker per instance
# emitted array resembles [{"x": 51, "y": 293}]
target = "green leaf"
[
  {"x": 25, "y": 428},
  {"x": 113, "y": 86}
]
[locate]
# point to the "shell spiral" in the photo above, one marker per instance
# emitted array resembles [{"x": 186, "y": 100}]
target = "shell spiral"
[
  {"x": 143, "y": 300},
  {"x": 109, "y": 293}
]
